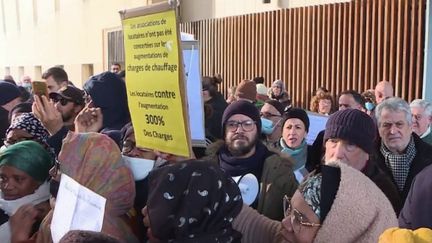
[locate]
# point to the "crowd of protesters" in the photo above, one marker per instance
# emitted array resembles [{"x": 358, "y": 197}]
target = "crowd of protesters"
[{"x": 366, "y": 177}]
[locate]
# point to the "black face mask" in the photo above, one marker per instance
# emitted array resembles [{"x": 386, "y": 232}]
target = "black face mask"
[{"x": 54, "y": 187}]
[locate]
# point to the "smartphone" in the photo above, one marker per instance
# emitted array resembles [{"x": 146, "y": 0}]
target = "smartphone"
[{"x": 40, "y": 88}]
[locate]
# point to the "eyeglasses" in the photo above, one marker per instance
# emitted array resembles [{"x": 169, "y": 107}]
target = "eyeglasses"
[
  {"x": 247, "y": 125},
  {"x": 129, "y": 145},
  {"x": 297, "y": 219},
  {"x": 55, "y": 169},
  {"x": 62, "y": 101},
  {"x": 268, "y": 115},
  {"x": 344, "y": 105}
]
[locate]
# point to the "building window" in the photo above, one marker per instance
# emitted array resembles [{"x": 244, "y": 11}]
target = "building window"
[{"x": 116, "y": 48}]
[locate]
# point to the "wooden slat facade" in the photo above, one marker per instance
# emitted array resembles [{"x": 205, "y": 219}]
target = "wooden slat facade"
[{"x": 340, "y": 46}]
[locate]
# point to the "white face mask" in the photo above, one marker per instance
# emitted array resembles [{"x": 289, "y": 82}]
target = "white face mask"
[
  {"x": 40, "y": 195},
  {"x": 140, "y": 167}
]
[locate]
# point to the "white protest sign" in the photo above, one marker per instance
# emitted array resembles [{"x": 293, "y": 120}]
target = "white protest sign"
[
  {"x": 77, "y": 208},
  {"x": 190, "y": 50},
  {"x": 317, "y": 124}
]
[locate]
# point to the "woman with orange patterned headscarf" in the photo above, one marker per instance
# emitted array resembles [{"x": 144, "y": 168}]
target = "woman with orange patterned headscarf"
[{"x": 94, "y": 161}]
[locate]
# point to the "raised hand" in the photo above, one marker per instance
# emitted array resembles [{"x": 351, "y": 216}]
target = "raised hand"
[
  {"x": 21, "y": 223},
  {"x": 46, "y": 112},
  {"x": 89, "y": 120}
]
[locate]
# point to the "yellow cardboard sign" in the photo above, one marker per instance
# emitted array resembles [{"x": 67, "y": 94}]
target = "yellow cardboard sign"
[{"x": 154, "y": 83}]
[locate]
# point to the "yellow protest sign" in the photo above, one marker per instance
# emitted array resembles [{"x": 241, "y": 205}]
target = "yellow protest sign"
[{"x": 154, "y": 81}]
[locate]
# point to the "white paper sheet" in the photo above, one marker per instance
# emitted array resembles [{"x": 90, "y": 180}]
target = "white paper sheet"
[
  {"x": 77, "y": 207},
  {"x": 317, "y": 124}
]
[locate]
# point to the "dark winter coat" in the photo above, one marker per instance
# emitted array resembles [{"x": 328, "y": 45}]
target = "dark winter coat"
[
  {"x": 417, "y": 210},
  {"x": 277, "y": 179},
  {"x": 422, "y": 159}
]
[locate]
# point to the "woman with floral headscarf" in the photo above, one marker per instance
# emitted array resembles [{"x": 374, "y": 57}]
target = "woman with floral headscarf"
[
  {"x": 94, "y": 161},
  {"x": 192, "y": 201},
  {"x": 27, "y": 127}
]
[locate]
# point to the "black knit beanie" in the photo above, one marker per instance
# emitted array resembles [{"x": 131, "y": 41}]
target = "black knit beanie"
[
  {"x": 353, "y": 126},
  {"x": 299, "y": 114},
  {"x": 8, "y": 92},
  {"x": 277, "y": 105},
  {"x": 241, "y": 107}
]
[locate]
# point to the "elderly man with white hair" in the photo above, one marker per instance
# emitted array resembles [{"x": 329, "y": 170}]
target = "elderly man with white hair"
[
  {"x": 422, "y": 116},
  {"x": 401, "y": 153}
]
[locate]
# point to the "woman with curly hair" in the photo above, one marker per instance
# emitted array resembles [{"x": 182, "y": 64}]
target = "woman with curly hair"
[{"x": 322, "y": 103}]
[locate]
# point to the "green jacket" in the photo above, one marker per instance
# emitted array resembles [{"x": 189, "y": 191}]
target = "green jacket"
[{"x": 277, "y": 180}]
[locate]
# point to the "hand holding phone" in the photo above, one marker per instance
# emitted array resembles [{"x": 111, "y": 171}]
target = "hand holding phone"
[{"x": 40, "y": 88}]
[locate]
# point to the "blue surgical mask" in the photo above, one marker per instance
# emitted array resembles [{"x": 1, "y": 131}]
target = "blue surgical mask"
[
  {"x": 267, "y": 126},
  {"x": 26, "y": 85},
  {"x": 369, "y": 106}
]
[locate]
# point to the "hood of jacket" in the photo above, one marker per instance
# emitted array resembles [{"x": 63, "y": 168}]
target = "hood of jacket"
[{"x": 108, "y": 92}]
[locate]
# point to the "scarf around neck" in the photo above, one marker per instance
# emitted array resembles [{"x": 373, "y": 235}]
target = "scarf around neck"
[
  {"x": 399, "y": 164},
  {"x": 237, "y": 167},
  {"x": 11, "y": 206},
  {"x": 40, "y": 195},
  {"x": 299, "y": 154}
]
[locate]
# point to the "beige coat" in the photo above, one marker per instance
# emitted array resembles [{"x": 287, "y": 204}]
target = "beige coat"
[{"x": 360, "y": 213}]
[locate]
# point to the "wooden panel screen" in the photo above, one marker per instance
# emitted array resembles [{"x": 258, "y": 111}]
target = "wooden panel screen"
[
  {"x": 341, "y": 46},
  {"x": 115, "y": 48}
]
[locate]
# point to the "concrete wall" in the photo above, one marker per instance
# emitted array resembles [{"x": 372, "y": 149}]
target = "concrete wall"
[{"x": 38, "y": 34}]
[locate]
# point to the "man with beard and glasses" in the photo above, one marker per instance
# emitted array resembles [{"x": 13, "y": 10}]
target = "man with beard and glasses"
[{"x": 241, "y": 153}]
